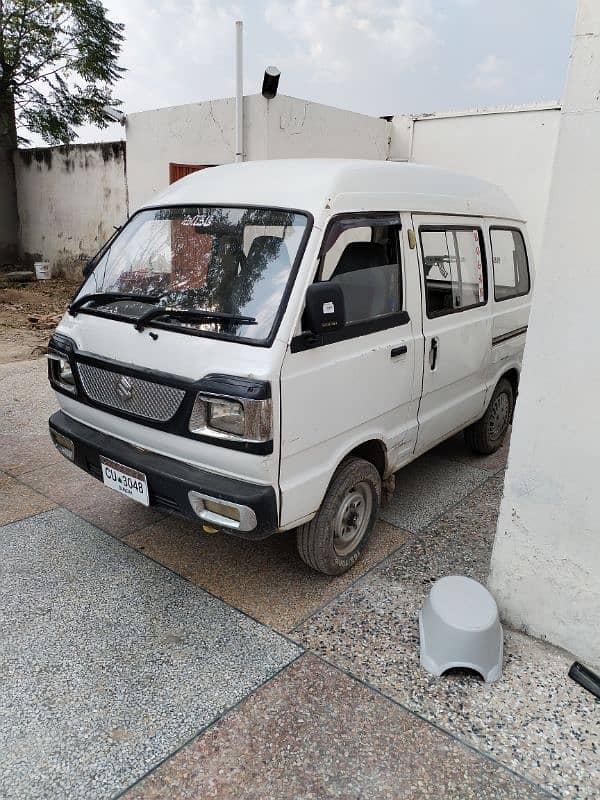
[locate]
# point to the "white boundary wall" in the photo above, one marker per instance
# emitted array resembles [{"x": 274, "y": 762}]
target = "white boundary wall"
[
  {"x": 511, "y": 147},
  {"x": 203, "y": 133},
  {"x": 69, "y": 199}
]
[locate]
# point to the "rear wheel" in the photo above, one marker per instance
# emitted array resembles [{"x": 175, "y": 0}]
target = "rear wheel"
[
  {"x": 335, "y": 538},
  {"x": 487, "y": 435}
]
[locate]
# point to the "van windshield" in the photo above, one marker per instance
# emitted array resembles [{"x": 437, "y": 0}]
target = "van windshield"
[{"x": 234, "y": 263}]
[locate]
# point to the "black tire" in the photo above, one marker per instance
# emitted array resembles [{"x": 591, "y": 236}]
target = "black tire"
[
  {"x": 488, "y": 434},
  {"x": 326, "y": 542}
]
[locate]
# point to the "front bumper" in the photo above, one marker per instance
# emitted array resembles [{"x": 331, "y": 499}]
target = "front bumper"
[{"x": 169, "y": 481}]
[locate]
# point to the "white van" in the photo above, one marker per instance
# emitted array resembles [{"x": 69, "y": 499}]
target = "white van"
[{"x": 265, "y": 344}]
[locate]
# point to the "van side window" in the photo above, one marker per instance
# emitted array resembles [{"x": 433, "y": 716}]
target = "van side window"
[
  {"x": 363, "y": 256},
  {"x": 511, "y": 268},
  {"x": 454, "y": 266}
]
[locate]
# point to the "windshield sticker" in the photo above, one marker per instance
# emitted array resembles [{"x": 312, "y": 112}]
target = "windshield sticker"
[
  {"x": 328, "y": 308},
  {"x": 197, "y": 220}
]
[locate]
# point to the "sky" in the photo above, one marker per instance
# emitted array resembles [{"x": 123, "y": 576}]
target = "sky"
[{"x": 379, "y": 57}]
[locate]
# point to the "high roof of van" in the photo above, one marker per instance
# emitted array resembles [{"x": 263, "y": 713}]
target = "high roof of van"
[{"x": 319, "y": 184}]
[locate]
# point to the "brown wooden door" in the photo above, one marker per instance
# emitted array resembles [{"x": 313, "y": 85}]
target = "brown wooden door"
[{"x": 177, "y": 171}]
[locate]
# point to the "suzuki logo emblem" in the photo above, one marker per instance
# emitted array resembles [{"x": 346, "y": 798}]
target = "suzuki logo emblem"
[{"x": 124, "y": 388}]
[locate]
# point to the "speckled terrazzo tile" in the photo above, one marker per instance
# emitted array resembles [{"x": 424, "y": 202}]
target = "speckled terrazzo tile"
[
  {"x": 426, "y": 488},
  {"x": 26, "y": 399},
  {"x": 456, "y": 449},
  {"x": 18, "y": 501},
  {"x": 20, "y": 453},
  {"x": 459, "y": 542},
  {"x": 265, "y": 579},
  {"x": 316, "y": 734},
  {"x": 108, "y": 661},
  {"x": 535, "y": 719}
]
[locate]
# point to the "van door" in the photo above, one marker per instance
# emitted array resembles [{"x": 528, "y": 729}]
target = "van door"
[
  {"x": 362, "y": 384},
  {"x": 456, "y": 325}
]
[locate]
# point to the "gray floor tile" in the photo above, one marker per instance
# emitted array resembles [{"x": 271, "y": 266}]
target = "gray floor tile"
[
  {"x": 427, "y": 488},
  {"x": 534, "y": 720},
  {"x": 314, "y": 733},
  {"x": 27, "y": 399},
  {"x": 109, "y": 661}
]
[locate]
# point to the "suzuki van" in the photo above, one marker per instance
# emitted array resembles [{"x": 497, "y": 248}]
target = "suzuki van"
[{"x": 264, "y": 345}]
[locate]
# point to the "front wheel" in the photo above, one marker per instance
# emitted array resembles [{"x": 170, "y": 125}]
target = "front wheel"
[
  {"x": 487, "y": 435},
  {"x": 335, "y": 538}
]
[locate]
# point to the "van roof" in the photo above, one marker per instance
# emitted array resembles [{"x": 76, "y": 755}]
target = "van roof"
[{"x": 314, "y": 184}]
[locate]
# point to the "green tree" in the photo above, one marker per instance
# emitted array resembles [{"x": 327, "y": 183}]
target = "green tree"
[{"x": 58, "y": 64}]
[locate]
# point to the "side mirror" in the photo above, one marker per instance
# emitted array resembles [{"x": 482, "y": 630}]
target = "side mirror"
[{"x": 325, "y": 310}]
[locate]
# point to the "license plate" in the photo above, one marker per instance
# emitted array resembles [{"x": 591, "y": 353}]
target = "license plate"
[{"x": 126, "y": 481}]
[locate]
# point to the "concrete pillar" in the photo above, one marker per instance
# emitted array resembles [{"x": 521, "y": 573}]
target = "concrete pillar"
[{"x": 545, "y": 569}]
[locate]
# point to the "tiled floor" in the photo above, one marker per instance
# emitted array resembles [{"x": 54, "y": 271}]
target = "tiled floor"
[
  {"x": 177, "y": 674},
  {"x": 534, "y": 720},
  {"x": 313, "y": 732},
  {"x": 265, "y": 579},
  {"x": 18, "y": 501},
  {"x": 109, "y": 661}
]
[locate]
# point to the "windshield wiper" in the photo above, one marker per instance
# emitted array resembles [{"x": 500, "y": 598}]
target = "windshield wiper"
[
  {"x": 108, "y": 296},
  {"x": 191, "y": 314}
]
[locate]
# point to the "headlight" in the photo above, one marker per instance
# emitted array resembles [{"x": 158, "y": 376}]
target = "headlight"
[
  {"x": 227, "y": 417},
  {"x": 60, "y": 373}
]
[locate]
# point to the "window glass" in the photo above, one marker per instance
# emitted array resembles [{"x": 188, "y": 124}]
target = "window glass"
[
  {"x": 235, "y": 261},
  {"x": 454, "y": 270},
  {"x": 364, "y": 259},
  {"x": 509, "y": 257}
]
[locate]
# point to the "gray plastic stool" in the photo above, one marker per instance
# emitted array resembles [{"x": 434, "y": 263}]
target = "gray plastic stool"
[{"x": 459, "y": 627}]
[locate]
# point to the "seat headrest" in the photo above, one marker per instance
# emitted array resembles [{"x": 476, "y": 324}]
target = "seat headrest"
[
  {"x": 269, "y": 248},
  {"x": 361, "y": 255}
]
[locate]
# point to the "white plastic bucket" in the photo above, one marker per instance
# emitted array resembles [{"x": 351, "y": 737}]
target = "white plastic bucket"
[{"x": 43, "y": 270}]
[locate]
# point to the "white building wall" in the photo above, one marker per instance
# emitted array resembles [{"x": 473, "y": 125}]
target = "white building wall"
[
  {"x": 69, "y": 199},
  {"x": 299, "y": 129},
  {"x": 514, "y": 149},
  {"x": 197, "y": 133},
  {"x": 203, "y": 133},
  {"x": 546, "y": 559}
]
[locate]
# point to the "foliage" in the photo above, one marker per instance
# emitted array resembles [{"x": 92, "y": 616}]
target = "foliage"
[{"x": 58, "y": 63}]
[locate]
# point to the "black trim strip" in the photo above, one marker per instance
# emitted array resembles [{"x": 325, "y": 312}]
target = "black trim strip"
[
  {"x": 510, "y": 335},
  {"x": 308, "y": 341}
]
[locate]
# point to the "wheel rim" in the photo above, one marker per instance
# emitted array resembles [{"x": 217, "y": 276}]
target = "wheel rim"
[
  {"x": 352, "y": 518},
  {"x": 499, "y": 416}
]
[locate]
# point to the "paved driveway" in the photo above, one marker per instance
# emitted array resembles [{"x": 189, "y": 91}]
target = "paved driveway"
[{"x": 143, "y": 659}]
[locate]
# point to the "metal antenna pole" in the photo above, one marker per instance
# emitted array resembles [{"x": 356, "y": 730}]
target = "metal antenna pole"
[{"x": 239, "y": 91}]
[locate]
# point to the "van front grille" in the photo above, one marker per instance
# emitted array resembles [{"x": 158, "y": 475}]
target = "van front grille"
[{"x": 129, "y": 394}]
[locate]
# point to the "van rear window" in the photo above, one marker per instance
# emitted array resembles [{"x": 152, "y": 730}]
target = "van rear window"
[{"x": 511, "y": 268}]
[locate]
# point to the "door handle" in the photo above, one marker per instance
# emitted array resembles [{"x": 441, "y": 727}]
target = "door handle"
[
  {"x": 398, "y": 351},
  {"x": 433, "y": 352}
]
